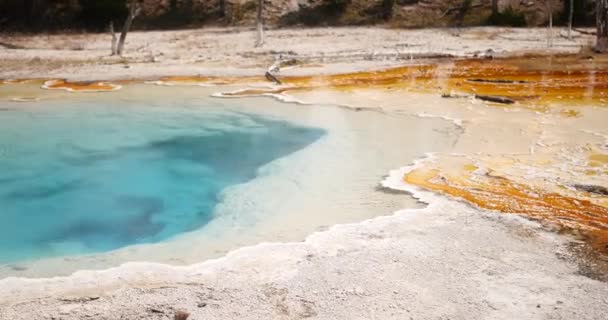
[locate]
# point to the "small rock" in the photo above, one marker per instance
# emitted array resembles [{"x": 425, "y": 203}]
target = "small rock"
[
  {"x": 181, "y": 315},
  {"x": 358, "y": 291},
  {"x": 67, "y": 309},
  {"x": 489, "y": 54},
  {"x": 202, "y": 305},
  {"x": 15, "y": 267}
]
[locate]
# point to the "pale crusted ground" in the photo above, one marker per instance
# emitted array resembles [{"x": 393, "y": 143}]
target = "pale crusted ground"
[
  {"x": 447, "y": 261},
  {"x": 232, "y": 52}
]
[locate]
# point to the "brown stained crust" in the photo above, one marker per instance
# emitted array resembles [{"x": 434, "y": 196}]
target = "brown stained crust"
[
  {"x": 582, "y": 218},
  {"x": 92, "y": 86},
  {"x": 531, "y": 82}
]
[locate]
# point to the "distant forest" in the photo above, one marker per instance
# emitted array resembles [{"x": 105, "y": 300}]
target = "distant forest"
[
  {"x": 31, "y": 15},
  {"x": 94, "y": 15}
]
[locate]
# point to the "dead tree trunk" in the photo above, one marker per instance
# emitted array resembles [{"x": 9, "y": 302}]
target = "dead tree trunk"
[
  {"x": 570, "y": 17},
  {"x": 114, "y": 39},
  {"x": 222, "y": 8},
  {"x": 260, "y": 24},
  {"x": 550, "y": 28},
  {"x": 602, "y": 26},
  {"x": 134, "y": 10}
]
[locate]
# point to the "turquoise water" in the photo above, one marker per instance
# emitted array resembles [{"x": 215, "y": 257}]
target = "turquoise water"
[{"x": 86, "y": 177}]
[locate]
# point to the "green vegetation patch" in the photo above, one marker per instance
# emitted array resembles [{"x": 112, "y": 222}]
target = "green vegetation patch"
[
  {"x": 508, "y": 17},
  {"x": 97, "y": 14}
]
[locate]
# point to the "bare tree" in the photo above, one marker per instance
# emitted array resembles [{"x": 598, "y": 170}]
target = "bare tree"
[
  {"x": 222, "y": 5},
  {"x": 494, "y": 7},
  {"x": 260, "y": 24},
  {"x": 550, "y": 28},
  {"x": 570, "y": 16},
  {"x": 602, "y": 26},
  {"x": 114, "y": 39},
  {"x": 134, "y": 10}
]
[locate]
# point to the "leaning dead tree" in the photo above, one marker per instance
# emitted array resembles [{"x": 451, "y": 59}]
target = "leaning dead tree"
[
  {"x": 259, "y": 20},
  {"x": 134, "y": 10},
  {"x": 273, "y": 71},
  {"x": 602, "y": 26}
]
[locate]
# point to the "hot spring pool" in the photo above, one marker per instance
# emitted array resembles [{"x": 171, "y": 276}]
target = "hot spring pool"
[
  {"x": 90, "y": 181},
  {"x": 85, "y": 178}
]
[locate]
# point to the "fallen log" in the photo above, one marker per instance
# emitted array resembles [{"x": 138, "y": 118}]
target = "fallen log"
[
  {"x": 593, "y": 33},
  {"x": 275, "y": 68},
  {"x": 497, "y": 99},
  {"x": 453, "y": 96},
  {"x": 11, "y": 46},
  {"x": 271, "y": 77},
  {"x": 496, "y": 81},
  {"x": 460, "y": 8},
  {"x": 603, "y": 191}
]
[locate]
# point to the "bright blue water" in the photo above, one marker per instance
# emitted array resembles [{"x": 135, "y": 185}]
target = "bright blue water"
[{"x": 85, "y": 177}]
